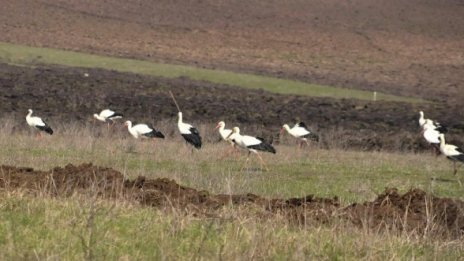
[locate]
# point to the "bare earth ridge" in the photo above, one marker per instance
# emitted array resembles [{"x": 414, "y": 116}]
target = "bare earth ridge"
[{"x": 412, "y": 211}]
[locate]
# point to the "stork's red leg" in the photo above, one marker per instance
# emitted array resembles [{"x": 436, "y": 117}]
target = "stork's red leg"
[{"x": 262, "y": 162}]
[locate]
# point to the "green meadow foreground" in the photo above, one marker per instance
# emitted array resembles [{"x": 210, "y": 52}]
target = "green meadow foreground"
[{"x": 85, "y": 226}]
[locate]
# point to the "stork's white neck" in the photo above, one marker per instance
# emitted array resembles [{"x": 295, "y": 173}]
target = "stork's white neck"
[
  {"x": 421, "y": 118},
  {"x": 442, "y": 140},
  {"x": 180, "y": 117},
  {"x": 98, "y": 117}
]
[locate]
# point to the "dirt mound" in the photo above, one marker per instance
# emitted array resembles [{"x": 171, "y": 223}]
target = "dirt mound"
[
  {"x": 64, "y": 181},
  {"x": 413, "y": 211}
]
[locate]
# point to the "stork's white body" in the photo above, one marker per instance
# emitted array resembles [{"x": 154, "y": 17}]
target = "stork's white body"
[
  {"x": 189, "y": 132},
  {"x": 184, "y": 128},
  {"x": 38, "y": 123},
  {"x": 228, "y": 136},
  {"x": 452, "y": 152},
  {"x": 250, "y": 143},
  {"x": 142, "y": 131},
  {"x": 107, "y": 115},
  {"x": 449, "y": 150},
  {"x": 297, "y": 131},
  {"x": 431, "y": 134},
  {"x": 244, "y": 141},
  {"x": 300, "y": 132},
  {"x": 34, "y": 121},
  {"x": 138, "y": 130},
  {"x": 225, "y": 133}
]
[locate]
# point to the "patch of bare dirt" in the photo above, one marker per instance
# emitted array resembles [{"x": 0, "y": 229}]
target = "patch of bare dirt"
[
  {"x": 401, "y": 47},
  {"x": 413, "y": 211}
]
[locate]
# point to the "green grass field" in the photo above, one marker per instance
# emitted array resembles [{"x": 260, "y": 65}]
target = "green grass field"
[
  {"x": 29, "y": 56},
  {"x": 85, "y": 227},
  {"x": 82, "y": 228}
]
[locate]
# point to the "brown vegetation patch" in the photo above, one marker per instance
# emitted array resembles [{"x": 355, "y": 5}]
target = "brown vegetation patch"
[{"x": 414, "y": 211}]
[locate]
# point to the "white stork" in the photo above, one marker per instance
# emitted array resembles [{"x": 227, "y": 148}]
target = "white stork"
[
  {"x": 108, "y": 116},
  {"x": 301, "y": 132},
  {"x": 143, "y": 131},
  {"x": 438, "y": 126},
  {"x": 225, "y": 133},
  {"x": 250, "y": 143},
  {"x": 453, "y": 153},
  {"x": 432, "y": 135},
  {"x": 38, "y": 123},
  {"x": 190, "y": 133}
]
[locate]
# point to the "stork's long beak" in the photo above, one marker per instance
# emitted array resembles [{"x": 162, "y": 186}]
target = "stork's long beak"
[
  {"x": 229, "y": 135},
  {"x": 217, "y": 126},
  {"x": 282, "y": 131}
]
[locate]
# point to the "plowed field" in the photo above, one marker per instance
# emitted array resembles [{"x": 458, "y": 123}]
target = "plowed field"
[{"x": 61, "y": 94}]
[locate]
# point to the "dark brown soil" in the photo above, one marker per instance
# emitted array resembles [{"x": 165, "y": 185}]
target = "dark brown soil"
[
  {"x": 65, "y": 95},
  {"x": 410, "y": 47},
  {"x": 413, "y": 211}
]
